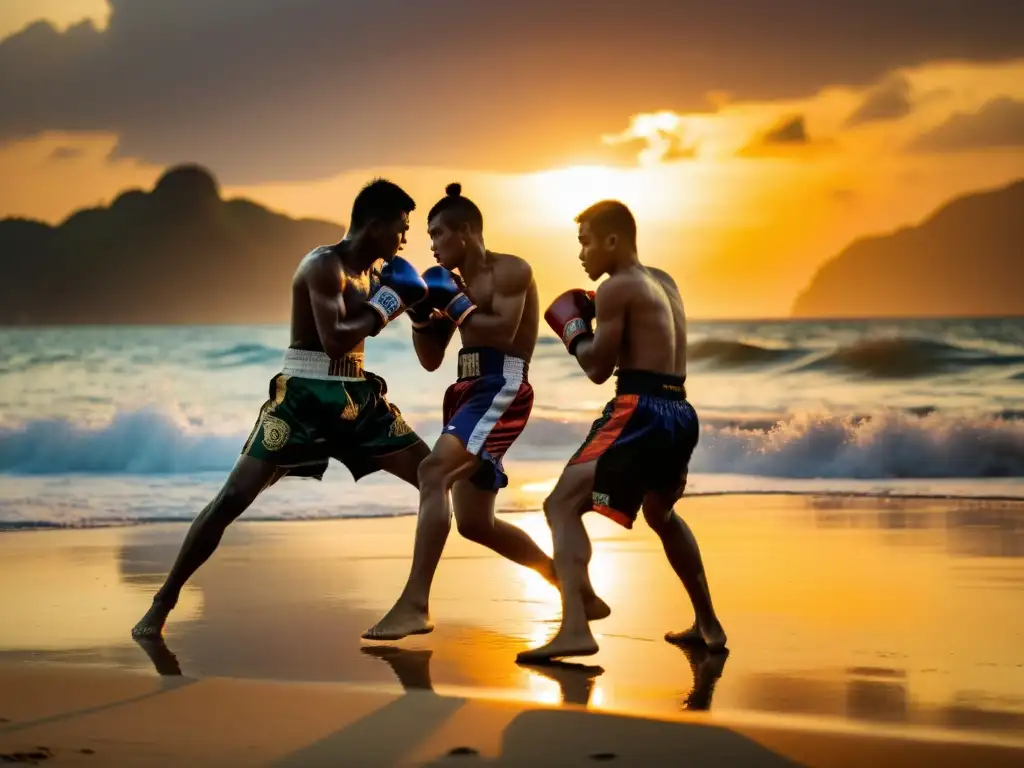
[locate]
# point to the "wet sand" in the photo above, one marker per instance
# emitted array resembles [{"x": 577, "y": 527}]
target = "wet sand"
[{"x": 860, "y": 616}]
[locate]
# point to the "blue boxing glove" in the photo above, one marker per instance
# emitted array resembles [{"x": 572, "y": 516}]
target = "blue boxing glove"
[
  {"x": 400, "y": 288},
  {"x": 420, "y": 315},
  {"x": 448, "y": 295}
]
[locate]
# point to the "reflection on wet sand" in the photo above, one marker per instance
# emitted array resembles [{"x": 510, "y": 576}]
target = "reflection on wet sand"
[
  {"x": 411, "y": 667},
  {"x": 970, "y": 528},
  {"x": 875, "y": 611},
  {"x": 164, "y": 661},
  {"x": 877, "y": 695},
  {"x": 707, "y": 669},
  {"x": 575, "y": 681}
]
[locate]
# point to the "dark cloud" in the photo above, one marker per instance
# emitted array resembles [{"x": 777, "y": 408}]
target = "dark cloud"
[
  {"x": 789, "y": 130},
  {"x": 787, "y": 137},
  {"x": 999, "y": 124},
  {"x": 66, "y": 153},
  {"x": 890, "y": 100},
  {"x": 787, "y": 134},
  {"x": 263, "y": 90},
  {"x": 675, "y": 148}
]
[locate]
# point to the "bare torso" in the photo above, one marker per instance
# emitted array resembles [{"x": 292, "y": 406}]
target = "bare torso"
[
  {"x": 654, "y": 337},
  {"x": 482, "y": 286},
  {"x": 355, "y": 289}
]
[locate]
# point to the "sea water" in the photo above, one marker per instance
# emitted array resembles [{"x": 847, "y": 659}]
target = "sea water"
[{"x": 109, "y": 425}]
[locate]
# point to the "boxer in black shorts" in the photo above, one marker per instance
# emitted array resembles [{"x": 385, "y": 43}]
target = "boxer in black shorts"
[{"x": 637, "y": 453}]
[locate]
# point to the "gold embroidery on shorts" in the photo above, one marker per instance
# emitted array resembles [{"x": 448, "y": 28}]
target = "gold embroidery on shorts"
[
  {"x": 351, "y": 411},
  {"x": 264, "y": 420},
  {"x": 281, "y": 390},
  {"x": 255, "y": 430},
  {"x": 275, "y": 433},
  {"x": 399, "y": 426},
  {"x": 469, "y": 365}
]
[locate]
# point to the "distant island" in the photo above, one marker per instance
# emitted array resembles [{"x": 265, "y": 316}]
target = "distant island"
[
  {"x": 177, "y": 254},
  {"x": 966, "y": 259}
]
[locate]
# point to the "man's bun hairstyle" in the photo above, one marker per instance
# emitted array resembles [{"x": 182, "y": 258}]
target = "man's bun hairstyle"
[{"x": 457, "y": 210}]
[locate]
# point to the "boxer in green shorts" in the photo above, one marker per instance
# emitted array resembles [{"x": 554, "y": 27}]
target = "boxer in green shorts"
[
  {"x": 308, "y": 420},
  {"x": 322, "y": 404}
]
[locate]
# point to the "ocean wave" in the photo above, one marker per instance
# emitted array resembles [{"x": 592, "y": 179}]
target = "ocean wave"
[
  {"x": 885, "y": 445},
  {"x": 888, "y": 445},
  {"x": 146, "y": 441},
  {"x": 244, "y": 354},
  {"x": 891, "y": 357},
  {"x": 726, "y": 353},
  {"x": 905, "y": 357}
]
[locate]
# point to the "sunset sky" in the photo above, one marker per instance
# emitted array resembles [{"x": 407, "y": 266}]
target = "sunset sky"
[{"x": 753, "y": 139}]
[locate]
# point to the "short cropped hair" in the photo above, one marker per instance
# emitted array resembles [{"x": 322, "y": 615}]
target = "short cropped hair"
[
  {"x": 610, "y": 217},
  {"x": 382, "y": 200},
  {"x": 457, "y": 209}
]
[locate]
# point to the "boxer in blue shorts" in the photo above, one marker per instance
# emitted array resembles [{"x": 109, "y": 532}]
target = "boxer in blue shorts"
[{"x": 637, "y": 453}]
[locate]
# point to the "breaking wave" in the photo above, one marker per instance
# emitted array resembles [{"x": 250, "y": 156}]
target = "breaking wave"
[{"x": 827, "y": 445}]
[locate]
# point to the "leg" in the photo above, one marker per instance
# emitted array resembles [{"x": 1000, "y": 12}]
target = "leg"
[
  {"x": 474, "y": 516},
  {"x": 247, "y": 480},
  {"x": 405, "y": 464},
  {"x": 564, "y": 509},
  {"x": 684, "y": 556},
  {"x": 445, "y": 464}
]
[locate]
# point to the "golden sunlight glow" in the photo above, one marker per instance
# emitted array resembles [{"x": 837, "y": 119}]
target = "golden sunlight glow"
[
  {"x": 536, "y": 591},
  {"x": 562, "y": 194},
  {"x": 75, "y": 598},
  {"x": 546, "y": 486},
  {"x": 543, "y": 690},
  {"x": 17, "y": 14}
]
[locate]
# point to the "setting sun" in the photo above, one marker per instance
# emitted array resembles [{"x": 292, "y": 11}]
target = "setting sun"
[{"x": 651, "y": 194}]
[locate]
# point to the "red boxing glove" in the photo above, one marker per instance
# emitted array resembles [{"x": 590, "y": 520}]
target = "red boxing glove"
[{"x": 570, "y": 316}]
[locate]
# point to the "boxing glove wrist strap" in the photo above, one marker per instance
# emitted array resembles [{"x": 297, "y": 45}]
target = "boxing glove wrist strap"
[
  {"x": 460, "y": 308},
  {"x": 419, "y": 315},
  {"x": 387, "y": 303},
  {"x": 574, "y": 332}
]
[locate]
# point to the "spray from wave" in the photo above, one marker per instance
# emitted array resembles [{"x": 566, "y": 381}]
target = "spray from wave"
[
  {"x": 886, "y": 445},
  {"x": 883, "y": 445}
]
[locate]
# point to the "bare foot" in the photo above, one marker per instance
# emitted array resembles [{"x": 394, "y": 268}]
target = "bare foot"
[
  {"x": 711, "y": 637},
  {"x": 563, "y": 644},
  {"x": 152, "y": 624},
  {"x": 401, "y": 621}
]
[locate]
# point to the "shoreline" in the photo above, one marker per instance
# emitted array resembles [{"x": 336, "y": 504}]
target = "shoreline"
[{"x": 834, "y": 495}]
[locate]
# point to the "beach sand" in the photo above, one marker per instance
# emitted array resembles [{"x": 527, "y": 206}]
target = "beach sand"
[{"x": 856, "y": 626}]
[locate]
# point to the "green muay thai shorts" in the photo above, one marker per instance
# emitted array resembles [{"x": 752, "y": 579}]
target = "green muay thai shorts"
[{"x": 320, "y": 408}]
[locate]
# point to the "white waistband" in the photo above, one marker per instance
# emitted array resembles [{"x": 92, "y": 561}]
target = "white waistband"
[
  {"x": 469, "y": 366},
  {"x": 305, "y": 364}
]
